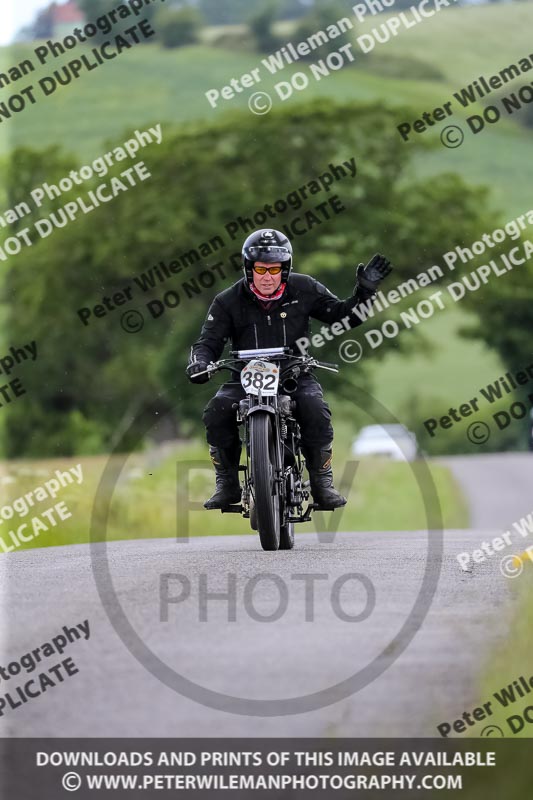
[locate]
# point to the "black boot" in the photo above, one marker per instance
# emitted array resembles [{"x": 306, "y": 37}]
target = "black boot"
[
  {"x": 318, "y": 464},
  {"x": 226, "y": 463}
]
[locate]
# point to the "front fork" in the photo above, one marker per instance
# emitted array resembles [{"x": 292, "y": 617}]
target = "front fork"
[
  {"x": 243, "y": 418},
  {"x": 291, "y": 485}
]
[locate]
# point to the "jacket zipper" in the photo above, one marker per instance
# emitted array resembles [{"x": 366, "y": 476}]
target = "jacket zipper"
[
  {"x": 256, "y": 342},
  {"x": 269, "y": 320},
  {"x": 284, "y": 335}
]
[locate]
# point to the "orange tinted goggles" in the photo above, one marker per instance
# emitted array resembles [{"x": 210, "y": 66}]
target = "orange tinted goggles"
[{"x": 271, "y": 270}]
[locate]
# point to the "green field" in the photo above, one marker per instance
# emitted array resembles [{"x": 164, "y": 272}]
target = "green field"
[
  {"x": 149, "y": 84},
  {"x": 169, "y": 86},
  {"x": 451, "y": 371},
  {"x": 384, "y": 496},
  {"x": 512, "y": 661}
]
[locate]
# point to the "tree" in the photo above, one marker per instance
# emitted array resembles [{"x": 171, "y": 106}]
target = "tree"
[
  {"x": 94, "y": 9},
  {"x": 261, "y": 28},
  {"x": 180, "y": 27},
  {"x": 236, "y": 12},
  {"x": 293, "y": 9},
  {"x": 527, "y": 116},
  {"x": 87, "y": 379},
  {"x": 503, "y": 307},
  {"x": 229, "y": 12},
  {"x": 323, "y": 15},
  {"x": 43, "y": 26},
  {"x": 97, "y": 8}
]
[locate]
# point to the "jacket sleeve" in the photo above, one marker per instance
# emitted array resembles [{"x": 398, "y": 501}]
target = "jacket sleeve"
[
  {"x": 328, "y": 308},
  {"x": 216, "y": 331}
]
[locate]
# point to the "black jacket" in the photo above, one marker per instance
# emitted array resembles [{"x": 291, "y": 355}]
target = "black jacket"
[{"x": 237, "y": 315}]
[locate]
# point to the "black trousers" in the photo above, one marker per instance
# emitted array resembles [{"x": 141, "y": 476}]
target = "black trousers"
[{"x": 312, "y": 413}]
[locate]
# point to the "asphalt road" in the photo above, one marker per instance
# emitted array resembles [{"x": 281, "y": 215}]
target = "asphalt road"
[
  {"x": 434, "y": 679},
  {"x": 497, "y": 485}
]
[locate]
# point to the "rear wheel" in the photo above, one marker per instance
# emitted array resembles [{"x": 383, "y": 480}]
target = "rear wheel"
[
  {"x": 286, "y": 530},
  {"x": 253, "y": 516},
  {"x": 286, "y": 536},
  {"x": 266, "y": 497}
]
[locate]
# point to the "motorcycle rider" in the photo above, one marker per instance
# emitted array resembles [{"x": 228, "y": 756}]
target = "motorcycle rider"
[{"x": 271, "y": 307}]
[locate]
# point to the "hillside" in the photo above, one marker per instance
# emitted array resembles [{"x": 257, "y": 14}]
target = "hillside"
[
  {"x": 170, "y": 86},
  {"x": 150, "y": 85}
]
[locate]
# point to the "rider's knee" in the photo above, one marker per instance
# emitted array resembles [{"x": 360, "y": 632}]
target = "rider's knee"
[
  {"x": 218, "y": 412},
  {"x": 313, "y": 406}
]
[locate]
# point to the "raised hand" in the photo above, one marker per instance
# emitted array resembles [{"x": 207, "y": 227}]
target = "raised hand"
[{"x": 371, "y": 275}]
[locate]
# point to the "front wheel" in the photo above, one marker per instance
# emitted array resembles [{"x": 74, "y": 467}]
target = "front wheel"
[{"x": 262, "y": 469}]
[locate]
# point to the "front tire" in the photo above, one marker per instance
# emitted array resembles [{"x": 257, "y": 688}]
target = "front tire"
[{"x": 263, "y": 462}]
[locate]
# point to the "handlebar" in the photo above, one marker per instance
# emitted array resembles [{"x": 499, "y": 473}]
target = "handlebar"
[
  {"x": 325, "y": 365},
  {"x": 307, "y": 362}
]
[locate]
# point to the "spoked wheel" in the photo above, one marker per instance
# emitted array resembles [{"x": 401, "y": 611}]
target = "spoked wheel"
[
  {"x": 286, "y": 536},
  {"x": 286, "y": 531},
  {"x": 253, "y": 516},
  {"x": 266, "y": 502}
]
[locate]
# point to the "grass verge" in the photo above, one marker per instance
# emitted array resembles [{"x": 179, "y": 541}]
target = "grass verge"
[{"x": 384, "y": 496}]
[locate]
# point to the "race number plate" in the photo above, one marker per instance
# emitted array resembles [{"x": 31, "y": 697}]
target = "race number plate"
[{"x": 260, "y": 376}]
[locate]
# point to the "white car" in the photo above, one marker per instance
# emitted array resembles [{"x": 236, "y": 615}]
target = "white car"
[{"x": 392, "y": 441}]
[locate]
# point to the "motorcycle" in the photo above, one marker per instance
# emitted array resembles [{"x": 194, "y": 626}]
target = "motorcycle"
[{"x": 274, "y": 490}]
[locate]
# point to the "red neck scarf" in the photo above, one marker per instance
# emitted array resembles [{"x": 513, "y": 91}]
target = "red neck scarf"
[{"x": 267, "y": 300}]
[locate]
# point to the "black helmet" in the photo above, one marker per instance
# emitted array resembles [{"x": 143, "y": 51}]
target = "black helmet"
[{"x": 270, "y": 246}]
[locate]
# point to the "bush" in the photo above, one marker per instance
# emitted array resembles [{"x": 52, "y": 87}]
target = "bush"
[
  {"x": 89, "y": 382},
  {"x": 233, "y": 39},
  {"x": 319, "y": 19},
  {"x": 526, "y": 116},
  {"x": 454, "y": 441},
  {"x": 261, "y": 29},
  {"x": 233, "y": 12},
  {"x": 178, "y": 28},
  {"x": 403, "y": 67}
]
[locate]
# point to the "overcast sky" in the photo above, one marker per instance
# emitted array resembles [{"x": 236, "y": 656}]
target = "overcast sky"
[{"x": 16, "y": 13}]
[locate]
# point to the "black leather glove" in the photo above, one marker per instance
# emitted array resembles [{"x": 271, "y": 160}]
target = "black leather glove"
[
  {"x": 376, "y": 270},
  {"x": 194, "y": 368}
]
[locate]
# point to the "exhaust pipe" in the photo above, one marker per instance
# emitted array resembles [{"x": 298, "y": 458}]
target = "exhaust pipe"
[{"x": 289, "y": 386}]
